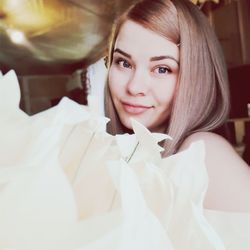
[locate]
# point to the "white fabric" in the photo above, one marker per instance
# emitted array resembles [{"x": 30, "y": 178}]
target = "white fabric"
[
  {"x": 65, "y": 184},
  {"x": 97, "y": 74}
]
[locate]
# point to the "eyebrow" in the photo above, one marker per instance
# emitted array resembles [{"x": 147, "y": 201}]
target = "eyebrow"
[
  {"x": 122, "y": 52},
  {"x": 158, "y": 58},
  {"x": 152, "y": 59}
]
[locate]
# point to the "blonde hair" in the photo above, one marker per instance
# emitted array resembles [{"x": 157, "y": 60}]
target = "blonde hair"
[{"x": 201, "y": 101}]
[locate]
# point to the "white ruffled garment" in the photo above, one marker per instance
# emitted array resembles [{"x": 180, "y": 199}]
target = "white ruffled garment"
[{"x": 66, "y": 184}]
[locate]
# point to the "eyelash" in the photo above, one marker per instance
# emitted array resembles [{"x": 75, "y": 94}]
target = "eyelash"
[
  {"x": 119, "y": 60},
  {"x": 168, "y": 70}
]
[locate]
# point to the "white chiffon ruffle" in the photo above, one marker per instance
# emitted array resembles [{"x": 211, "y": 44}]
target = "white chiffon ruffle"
[{"x": 67, "y": 184}]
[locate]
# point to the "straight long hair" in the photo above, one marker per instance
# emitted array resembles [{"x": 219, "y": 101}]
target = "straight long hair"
[{"x": 201, "y": 100}]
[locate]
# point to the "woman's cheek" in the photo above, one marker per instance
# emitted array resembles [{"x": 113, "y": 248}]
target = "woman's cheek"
[
  {"x": 118, "y": 79},
  {"x": 164, "y": 91}
]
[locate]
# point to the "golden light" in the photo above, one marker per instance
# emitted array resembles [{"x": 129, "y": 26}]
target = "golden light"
[
  {"x": 31, "y": 16},
  {"x": 16, "y": 36},
  {"x": 11, "y": 4}
]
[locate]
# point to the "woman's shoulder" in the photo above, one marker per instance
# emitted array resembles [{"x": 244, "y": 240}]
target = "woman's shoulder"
[
  {"x": 216, "y": 146},
  {"x": 229, "y": 175},
  {"x": 209, "y": 138}
]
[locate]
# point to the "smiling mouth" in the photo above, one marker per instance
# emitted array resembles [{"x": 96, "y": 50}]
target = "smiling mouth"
[{"x": 135, "y": 109}]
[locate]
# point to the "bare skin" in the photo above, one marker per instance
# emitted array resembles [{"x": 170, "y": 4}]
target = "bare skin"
[{"x": 229, "y": 175}]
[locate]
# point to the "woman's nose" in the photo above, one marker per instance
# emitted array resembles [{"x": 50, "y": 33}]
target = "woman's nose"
[{"x": 138, "y": 84}]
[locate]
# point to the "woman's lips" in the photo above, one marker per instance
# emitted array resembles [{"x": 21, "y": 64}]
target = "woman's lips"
[{"x": 135, "y": 109}]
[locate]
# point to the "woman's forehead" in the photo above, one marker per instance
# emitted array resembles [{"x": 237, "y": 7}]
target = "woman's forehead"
[{"x": 135, "y": 39}]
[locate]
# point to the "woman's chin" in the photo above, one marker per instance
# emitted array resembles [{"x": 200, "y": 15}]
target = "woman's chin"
[{"x": 128, "y": 124}]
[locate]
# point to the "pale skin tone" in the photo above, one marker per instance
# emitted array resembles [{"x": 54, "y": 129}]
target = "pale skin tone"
[
  {"x": 142, "y": 81},
  {"x": 229, "y": 175},
  {"x": 142, "y": 78}
]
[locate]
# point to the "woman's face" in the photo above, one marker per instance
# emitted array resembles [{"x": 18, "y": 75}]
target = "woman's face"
[{"x": 143, "y": 76}]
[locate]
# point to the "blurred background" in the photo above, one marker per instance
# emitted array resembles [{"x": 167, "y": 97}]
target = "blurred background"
[{"x": 54, "y": 46}]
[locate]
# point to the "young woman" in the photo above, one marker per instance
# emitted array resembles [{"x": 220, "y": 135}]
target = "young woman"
[{"x": 167, "y": 71}]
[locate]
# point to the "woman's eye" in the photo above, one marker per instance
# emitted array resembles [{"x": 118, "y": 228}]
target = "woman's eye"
[
  {"x": 123, "y": 63},
  {"x": 162, "y": 70}
]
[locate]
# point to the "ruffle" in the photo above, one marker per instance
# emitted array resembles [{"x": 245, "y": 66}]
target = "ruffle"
[{"x": 67, "y": 184}]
